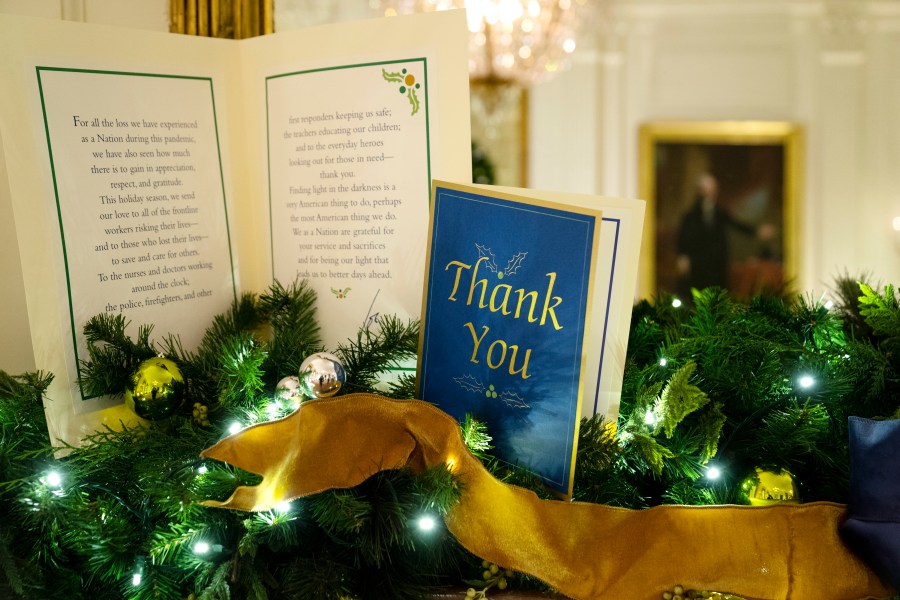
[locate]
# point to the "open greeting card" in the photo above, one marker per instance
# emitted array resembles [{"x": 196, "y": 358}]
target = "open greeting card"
[{"x": 158, "y": 176}]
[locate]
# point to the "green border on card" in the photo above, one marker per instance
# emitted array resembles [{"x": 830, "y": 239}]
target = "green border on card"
[{"x": 62, "y": 234}]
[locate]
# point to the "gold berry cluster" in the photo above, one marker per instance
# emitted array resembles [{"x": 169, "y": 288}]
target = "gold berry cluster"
[
  {"x": 679, "y": 593},
  {"x": 201, "y": 416},
  {"x": 493, "y": 576}
]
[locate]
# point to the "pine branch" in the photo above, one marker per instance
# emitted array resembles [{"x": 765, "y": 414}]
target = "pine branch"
[
  {"x": 648, "y": 450},
  {"x": 598, "y": 448},
  {"x": 168, "y": 544},
  {"x": 240, "y": 370},
  {"x": 295, "y": 333},
  {"x": 846, "y": 292},
  {"x": 319, "y": 577},
  {"x": 24, "y": 443},
  {"x": 686, "y": 460},
  {"x": 215, "y": 586},
  {"x": 679, "y": 398},
  {"x": 112, "y": 355},
  {"x": 403, "y": 387},
  {"x": 711, "y": 423},
  {"x": 881, "y": 311},
  {"x": 795, "y": 432},
  {"x": 340, "y": 511},
  {"x": 436, "y": 490},
  {"x": 157, "y": 583},
  {"x": 8, "y": 567},
  {"x": 475, "y": 436},
  {"x": 378, "y": 350},
  {"x": 277, "y": 529}
]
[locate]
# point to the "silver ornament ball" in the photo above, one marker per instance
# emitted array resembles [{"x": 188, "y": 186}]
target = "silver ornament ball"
[
  {"x": 322, "y": 375},
  {"x": 289, "y": 389}
]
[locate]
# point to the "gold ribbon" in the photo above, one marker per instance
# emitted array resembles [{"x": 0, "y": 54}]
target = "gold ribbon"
[{"x": 586, "y": 551}]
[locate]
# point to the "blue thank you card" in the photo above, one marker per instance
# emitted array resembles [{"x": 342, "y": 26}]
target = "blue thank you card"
[{"x": 505, "y": 314}]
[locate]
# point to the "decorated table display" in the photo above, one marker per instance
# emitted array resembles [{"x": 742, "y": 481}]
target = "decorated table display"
[{"x": 356, "y": 491}]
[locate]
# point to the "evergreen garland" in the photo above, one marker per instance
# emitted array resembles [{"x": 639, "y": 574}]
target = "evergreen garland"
[{"x": 718, "y": 384}]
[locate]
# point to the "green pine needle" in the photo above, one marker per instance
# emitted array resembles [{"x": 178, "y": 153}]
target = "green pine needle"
[
  {"x": 475, "y": 435},
  {"x": 112, "y": 355},
  {"x": 680, "y": 398},
  {"x": 319, "y": 577},
  {"x": 881, "y": 311},
  {"x": 240, "y": 371},
  {"x": 651, "y": 452},
  {"x": 387, "y": 346},
  {"x": 340, "y": 511},
  {"x": 12, "y": 578},
  {"x": 711, "y": 423},
  {"x": 293, "y": 331}
]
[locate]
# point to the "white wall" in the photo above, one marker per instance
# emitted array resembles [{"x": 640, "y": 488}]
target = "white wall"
[{"x": 833, "y": 67}]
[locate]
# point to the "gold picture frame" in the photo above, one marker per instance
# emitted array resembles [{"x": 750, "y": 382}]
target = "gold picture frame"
[{"x": 751, "y": 244}]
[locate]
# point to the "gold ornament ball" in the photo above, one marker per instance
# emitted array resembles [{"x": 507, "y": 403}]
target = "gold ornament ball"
[
  {"x": 156, "y": 389},
  {"x": 765, "y": 488},
  {"x": 321, "y": 375}
]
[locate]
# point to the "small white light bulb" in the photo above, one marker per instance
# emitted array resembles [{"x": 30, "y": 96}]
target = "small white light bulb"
[
  {"x": 807, "y": 381},
  {"x": 829, "y": 305},
  {"x": 426, "y": 523},
  {"x": 649, "y": 418},
  {"x": 136, "y": 579},
  {"x": 234, "y": 428},
  {"x": 663, "y": 362},
  {"x": 54, "y": 479},
  {"x": 201, "y": 470},
  {"x": 201, "y": 548},
  {"x": 283, "y": 507},
  {"x": 713, "y": 473},
  {"x": 676, "y": 302}
]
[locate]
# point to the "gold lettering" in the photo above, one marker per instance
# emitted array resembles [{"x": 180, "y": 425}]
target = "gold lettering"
[
  {"x": 459, "y": 267},
  {"x": 512, "y": 362},
  {"x": 490, "y": 353},
  {"x": 557, "y": 300},
  {"x": 500, "y": 294},
  {"x": 475, "y": 282},
  {"x": 534, "y": 298},
  {"x": 502, "y": 308},
  {"x": 475, "y": 339}
]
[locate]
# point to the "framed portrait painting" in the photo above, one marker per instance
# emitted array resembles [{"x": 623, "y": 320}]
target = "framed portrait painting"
[{"x": 723, "y": 203}]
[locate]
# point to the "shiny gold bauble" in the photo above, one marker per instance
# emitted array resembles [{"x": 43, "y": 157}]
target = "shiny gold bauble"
[
  {"x": 321, "y": 375},
  {"x": 156, "y": 390},
  {"x": 765, "y": 488}
]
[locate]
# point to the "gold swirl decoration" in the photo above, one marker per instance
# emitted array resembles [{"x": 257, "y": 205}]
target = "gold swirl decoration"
[{"x": 586, "y": 551}]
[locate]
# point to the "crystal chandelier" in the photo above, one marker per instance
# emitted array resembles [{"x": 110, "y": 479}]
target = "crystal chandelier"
[{"x": 511, "y": 42}]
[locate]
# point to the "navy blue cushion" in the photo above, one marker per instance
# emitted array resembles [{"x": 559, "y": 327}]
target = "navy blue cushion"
[{"x": 872, "y": 528}]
